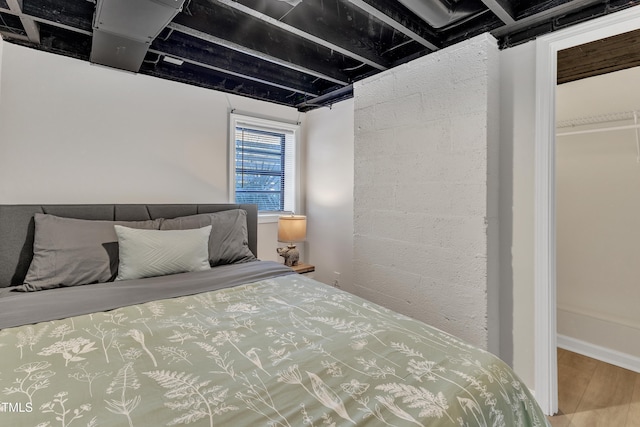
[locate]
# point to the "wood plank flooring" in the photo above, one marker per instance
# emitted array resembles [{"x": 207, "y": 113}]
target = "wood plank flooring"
[{"x": 592, "y": 393}]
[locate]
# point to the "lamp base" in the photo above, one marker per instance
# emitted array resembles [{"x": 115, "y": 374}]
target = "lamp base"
[{"x": 290, "y": 254}]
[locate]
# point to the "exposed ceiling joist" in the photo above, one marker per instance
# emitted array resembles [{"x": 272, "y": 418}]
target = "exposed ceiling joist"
[
  {"x": 211, "y": 79},
  {"x": 328, "y": 98},
  {"x": 393, "y": 23},
  {"x": 183, "y": 46},
  {"x": 74, "y": 14},
  {"x": 30, "y": 27},
  {"x": 8, "y": 32},
  {"x": 300, "y": 33},
  {"x": 14, "y": 36},
  {"x": 15, "y": 6},
  {"x": 231, "y": 73},
  {"x": 248, "y": 51},
  {"x": 533, "y": 20},
  {"x": 61, "y": 25},
  {"x": 501, "y": 9}
]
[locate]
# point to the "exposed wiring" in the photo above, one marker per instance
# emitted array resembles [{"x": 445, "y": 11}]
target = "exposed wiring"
[
  {"x": 288, "y": 12},
  {"x": 354, "y": 68},
  {"x": 169, "y": 33},
  {"x": 185, "y": 8},
  {"x": 293, "y": 4},
  {"x": 154, "y": 62},
  {"x": 464, "y": 20},
  {"x": 398, "y": 46}
]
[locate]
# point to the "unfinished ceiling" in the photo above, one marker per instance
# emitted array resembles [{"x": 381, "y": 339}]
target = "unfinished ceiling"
[{"x": 302, "y": 53}]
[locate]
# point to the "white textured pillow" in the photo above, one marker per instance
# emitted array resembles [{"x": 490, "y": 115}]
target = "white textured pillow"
[{"x": 149, "y": 253}]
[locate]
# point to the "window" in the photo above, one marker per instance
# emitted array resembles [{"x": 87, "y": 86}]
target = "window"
[{"x": 263, "y": 163}]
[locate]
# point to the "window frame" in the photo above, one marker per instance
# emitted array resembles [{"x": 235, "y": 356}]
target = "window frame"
[{"x": 274, "y": 125}]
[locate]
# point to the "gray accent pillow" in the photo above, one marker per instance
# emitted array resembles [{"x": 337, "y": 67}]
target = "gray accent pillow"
[
  {"x": 228, "y": 242},
  {"x": 71, "y": 252},
  {"x": 151, "y": 253}
]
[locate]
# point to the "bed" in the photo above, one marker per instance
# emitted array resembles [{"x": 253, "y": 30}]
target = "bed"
[{"x": 238, "y": 342}]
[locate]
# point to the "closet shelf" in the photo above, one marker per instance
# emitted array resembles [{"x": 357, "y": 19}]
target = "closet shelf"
[{"x": 594, "y": 120}]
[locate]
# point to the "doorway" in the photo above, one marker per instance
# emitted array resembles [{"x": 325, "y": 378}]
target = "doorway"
[
  {"x": 547, "y": 47},
  {"x": 598, "y": 203}
]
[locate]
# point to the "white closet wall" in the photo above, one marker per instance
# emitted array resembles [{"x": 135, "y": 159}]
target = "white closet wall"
[{"x": 598, "y": 221}]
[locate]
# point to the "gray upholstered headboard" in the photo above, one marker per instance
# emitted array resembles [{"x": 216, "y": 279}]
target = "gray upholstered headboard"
[{"x": 17, "y": 227}]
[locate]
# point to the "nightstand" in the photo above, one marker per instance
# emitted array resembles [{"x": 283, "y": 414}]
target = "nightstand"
[{"x": 302, "y": 268}]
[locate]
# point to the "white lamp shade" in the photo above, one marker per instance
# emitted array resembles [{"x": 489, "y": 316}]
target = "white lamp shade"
[{"x": 292, "y": 228}]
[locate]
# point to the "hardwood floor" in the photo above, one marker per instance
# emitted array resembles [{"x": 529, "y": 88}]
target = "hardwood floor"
[{"x": 592, "y": 393}]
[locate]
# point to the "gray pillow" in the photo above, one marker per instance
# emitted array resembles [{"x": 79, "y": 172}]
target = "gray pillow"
[
  {"x": 71, "y": 252},
  {"x": 151, "y": 253},
  {"x": 228, "y": 242}
]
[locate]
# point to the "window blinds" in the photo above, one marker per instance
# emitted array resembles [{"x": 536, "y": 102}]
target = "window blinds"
[{"x": 265, "y": 167}]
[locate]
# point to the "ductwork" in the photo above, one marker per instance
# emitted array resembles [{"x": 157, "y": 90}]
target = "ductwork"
[
  {"x": 440, "y": 13},
  {"x": 124, "y": 29}
]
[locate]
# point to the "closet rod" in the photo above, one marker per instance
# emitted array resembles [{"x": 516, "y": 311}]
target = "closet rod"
[{"x": 581, "y": 132}]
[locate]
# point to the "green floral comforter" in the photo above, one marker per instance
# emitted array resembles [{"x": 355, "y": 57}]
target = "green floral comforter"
[{"x": 286, "y": 351}]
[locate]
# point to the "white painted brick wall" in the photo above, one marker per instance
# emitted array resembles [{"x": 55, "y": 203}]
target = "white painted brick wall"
[{"x": 421, "y": 195}]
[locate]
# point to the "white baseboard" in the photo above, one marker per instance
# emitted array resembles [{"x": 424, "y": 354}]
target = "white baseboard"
[{"x": 613, "y": 357}]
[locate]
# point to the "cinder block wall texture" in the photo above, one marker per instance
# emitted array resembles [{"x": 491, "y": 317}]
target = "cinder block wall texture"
[{"x": 425, "y": 196}]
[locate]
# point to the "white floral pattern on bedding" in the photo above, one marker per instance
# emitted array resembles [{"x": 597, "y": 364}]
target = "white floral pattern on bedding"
[{"x": 282, "y": 352}]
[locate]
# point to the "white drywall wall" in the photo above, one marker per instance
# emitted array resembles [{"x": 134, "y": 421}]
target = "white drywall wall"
[
  {"x": 329, "y": 185},
  {"x": 517, "y": 121},
  {"x": 421, "y": 188},
  {"x": 71, "y": 132}
]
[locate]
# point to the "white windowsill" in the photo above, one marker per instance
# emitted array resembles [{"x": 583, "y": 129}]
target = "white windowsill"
[{"x": 268, "y": 217}]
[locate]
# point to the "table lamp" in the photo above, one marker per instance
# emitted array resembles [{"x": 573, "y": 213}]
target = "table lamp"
[{"x": 291, "y": 228}]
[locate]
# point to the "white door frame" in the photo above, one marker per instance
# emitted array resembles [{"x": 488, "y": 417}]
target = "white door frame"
[{"x": 547, "y": 47}]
